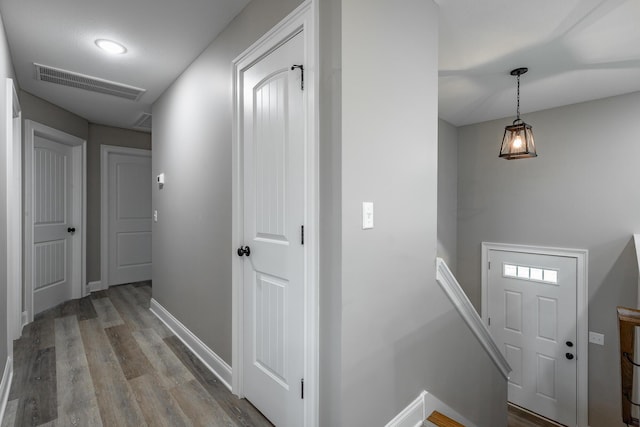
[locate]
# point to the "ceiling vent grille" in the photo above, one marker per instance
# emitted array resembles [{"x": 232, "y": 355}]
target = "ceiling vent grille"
[
  {"x": 144, "y": 122},
  {"x": 93, "y": 84}
]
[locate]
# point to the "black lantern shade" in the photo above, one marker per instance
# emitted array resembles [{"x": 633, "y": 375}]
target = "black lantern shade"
[{"x": 517, "y": 142}]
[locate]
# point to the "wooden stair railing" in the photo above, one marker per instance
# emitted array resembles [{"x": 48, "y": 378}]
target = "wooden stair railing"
[
  {"x": 441, "y": 420},
  {"x": 628, "y": 319}
]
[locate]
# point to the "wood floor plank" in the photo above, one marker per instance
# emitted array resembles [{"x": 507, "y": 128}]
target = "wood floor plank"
[
  {"x": 38, "y": 401},
  {"x": 135, "y": 317},
  {"x": 116, "y": 401},
  {"x": 77, "y": 404},
  {"x": 132, "y": 360},
  {"x": 238, "y": 409},
  {"x": 9, "y": 419},
  {"x": 200, "y": 406},
  {"x": 38, "y": 335},
  {"x": 141, "y": 299},
  {"x": 170, "y": 370},
  {"x": 158, "y": 406},
  {"x": 106, "y": 313},
  {"x": 86, "y": 309},
  {"x": 98, "y": 294}
]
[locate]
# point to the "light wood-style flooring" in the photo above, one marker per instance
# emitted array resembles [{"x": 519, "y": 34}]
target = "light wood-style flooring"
[{"x": 106, "y": 360}]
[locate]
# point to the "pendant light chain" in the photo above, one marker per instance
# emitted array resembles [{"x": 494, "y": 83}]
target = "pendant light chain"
[{"x": 518, "y": 109}]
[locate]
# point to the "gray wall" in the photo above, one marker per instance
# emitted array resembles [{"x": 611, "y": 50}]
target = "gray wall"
[
  {"x": 103, "y": 135},
  {"x": 330, "y": 90},
  {"x": 581, "y": 192},
  {"x": 400, "y": 334},
  {"x": 46, "y": 113},
  {"x": 192, "y": 146},
  {"x": 6, "y": 71},
  {"x": 447, "y": 193}
]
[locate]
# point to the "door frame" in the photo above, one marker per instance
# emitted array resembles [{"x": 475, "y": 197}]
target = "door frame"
[
  {"x": 582, "y": 310},
  {"x": 105, "y": 151},
  {"x": 79, "y": 209},
  {"x": 302, "y": 19},
  {"x": 14, "y": 214}
]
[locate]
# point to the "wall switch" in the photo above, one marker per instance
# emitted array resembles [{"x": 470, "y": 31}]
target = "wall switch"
[
  {"x": 596, "y": 338},
  {"x": 160, "y": 179},
  {"x": 367, "y": 215},
  {"x": 155, "y": 216}
]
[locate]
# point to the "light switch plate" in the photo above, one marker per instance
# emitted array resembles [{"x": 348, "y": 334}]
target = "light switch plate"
[
  {"x": 596, "y": 338},
  {"x": 367, "y": 215},
  {"x": 155, "y": 216}
]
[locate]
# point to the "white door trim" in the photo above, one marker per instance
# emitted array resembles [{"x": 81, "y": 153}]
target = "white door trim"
[
  {"x": 582, "y": 310},
  {"x": 78, "y": 216},
  {"x": 302, "y": 19},
  {"x": 105, "y": 150},
  {"x": 14, "y": 215}
]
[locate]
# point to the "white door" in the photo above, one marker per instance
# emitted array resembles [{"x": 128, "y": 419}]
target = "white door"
[
  {"x": 129, "y": 218},
  {"x": 52, "y": 226},
  {"x": 274, "y": 286},
  {"x": 532, "y": 317}
]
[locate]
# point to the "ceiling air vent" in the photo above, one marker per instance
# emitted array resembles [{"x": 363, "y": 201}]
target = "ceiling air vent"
[
  {"x": 144, "y": 122},
  {"x": 93, "y": 84}
]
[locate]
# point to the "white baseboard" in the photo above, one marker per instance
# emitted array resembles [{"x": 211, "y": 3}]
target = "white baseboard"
[
  {"x": 418, "y": 411},
  {"x": 5, "y": 386},
  {"x": 212, "y": 361},
  {"x": 94, "y": 286},
  {"x": 411, "y": 416}
]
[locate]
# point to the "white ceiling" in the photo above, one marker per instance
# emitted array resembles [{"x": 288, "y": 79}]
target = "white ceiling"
[
  {"x": 162, "y": 37},
  {"x": 576, "y": 50}
]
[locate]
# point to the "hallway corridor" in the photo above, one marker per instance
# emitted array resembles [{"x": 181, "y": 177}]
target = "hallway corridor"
[{"x": 106, "y": 360}]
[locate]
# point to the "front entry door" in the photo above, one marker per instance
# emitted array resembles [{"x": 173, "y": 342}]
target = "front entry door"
[
  {"x": 129, "y": 218},
  {"x": 52, "y": 227},
  {"x": 532, "y": 317},
  {"x": 274, "y": 287}
]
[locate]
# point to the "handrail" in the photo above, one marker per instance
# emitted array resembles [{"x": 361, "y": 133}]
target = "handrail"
[
  {"x": 452, "y": 288},
  {"x": 628, "y": 319}
]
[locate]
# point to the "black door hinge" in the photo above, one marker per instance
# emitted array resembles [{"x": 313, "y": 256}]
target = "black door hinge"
[
  {"x": 302, "y": 234},
  {"x": 302, "y": 388},
  {"x": 301, "y": 67}
]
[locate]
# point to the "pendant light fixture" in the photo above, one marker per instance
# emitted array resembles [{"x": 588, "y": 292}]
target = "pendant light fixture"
[{"x": 517, "y": 142}]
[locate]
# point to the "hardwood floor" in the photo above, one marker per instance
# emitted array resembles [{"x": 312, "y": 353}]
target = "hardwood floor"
[
  {"x": 106, "y": 360},
  {"x": 521, "y": 418}
]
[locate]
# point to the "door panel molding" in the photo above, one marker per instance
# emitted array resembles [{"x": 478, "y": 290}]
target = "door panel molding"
[
  {"x": 105, "y": 152},
  {"x": 301, "y": 20},
  {"x": 78, "y": 214},
  {"x": 582, "y": 309}
]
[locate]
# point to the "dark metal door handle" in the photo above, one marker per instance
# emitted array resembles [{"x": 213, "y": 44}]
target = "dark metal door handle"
[
  {"x": 569, "y": 344},
  {"x": 71, "y": 230},
  {"x": 569, "y": 356},
  {"x": 244, "y": 251}
]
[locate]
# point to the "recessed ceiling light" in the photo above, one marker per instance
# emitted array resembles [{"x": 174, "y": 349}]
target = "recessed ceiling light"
[{"x": 110, "y": 46}]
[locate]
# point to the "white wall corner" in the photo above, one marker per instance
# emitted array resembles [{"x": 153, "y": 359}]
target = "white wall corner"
[
  {"x": 94, "y": 286},
  {"x": 5, "y": 386},
  {"x": 211, "y": 360}
]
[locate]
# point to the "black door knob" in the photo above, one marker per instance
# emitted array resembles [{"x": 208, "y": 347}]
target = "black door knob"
[
  {"x": 569, "y": 344},
  {"x": 569, "y": 356},
  {"x": 71, "y": 230},
  {"x": 244, "y": 251}
]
